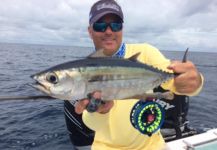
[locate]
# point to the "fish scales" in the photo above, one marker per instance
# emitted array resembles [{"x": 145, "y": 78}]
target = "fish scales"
[
  {"x": 116, "y": 78},
  {"x": 120, "y": 82}
]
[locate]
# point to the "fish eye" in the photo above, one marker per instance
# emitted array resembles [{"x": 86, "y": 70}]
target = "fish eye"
[{"x": 52, "y": 78}]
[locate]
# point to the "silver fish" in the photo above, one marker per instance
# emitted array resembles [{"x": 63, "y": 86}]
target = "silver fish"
[{"x": 116, "y": 78}]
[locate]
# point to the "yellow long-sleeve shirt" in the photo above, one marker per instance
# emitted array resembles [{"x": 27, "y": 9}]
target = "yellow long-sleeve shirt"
[{"x": 113, "y": 130}]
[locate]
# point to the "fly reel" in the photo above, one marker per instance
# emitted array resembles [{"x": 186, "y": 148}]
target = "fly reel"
[{"x": 147, "y": 117}]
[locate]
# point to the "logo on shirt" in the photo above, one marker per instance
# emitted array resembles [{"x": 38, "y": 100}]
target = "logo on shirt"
[{"x": 165, "y": 105}]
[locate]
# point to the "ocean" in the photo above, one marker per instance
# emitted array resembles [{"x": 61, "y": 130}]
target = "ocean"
[{"x": 40, "y": 124}]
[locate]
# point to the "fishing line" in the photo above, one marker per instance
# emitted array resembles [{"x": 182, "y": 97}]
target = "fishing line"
[{"x": 209, "y": 66}]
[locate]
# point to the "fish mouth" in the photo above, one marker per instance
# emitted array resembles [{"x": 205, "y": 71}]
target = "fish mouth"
[{"x": 37, "y": 85}]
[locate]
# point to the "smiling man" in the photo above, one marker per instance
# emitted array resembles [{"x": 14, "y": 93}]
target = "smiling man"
[{"x": 111, "y": 123}]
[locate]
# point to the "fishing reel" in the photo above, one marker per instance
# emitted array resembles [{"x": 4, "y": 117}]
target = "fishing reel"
[{"x": 147, "y": 117}]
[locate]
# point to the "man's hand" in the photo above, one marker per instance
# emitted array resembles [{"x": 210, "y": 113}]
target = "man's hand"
[
  {"x": 81, "y": 105},
  {"x": 188, "y": 79}
]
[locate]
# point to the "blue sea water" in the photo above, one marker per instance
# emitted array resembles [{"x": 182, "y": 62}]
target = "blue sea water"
[{"x": 40, "y": 124}]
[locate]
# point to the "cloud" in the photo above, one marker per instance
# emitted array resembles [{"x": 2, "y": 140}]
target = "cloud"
[
  {"x": 171, "y": 25},
  {"x": 38, "y": 21}
]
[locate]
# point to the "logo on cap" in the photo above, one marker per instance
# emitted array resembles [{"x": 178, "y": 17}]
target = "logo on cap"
[{"x": 109, "y": 6}]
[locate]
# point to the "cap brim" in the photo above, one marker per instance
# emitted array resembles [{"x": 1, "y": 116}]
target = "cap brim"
[{"x": 97, "y": 17}]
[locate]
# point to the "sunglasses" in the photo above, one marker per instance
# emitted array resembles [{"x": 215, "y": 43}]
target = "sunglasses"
[{"x": 102, "y": 26}]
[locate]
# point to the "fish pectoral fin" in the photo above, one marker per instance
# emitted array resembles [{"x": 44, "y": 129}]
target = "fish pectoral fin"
[{"x": 97, "y": 54}]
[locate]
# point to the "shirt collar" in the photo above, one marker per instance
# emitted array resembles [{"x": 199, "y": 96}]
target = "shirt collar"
[{"x": 121, "y": 51}]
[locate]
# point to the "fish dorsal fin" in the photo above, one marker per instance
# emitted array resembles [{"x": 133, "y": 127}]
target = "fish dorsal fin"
[
  {"x": 134, "y": 57},
  {"x": 97, "y": 54}
]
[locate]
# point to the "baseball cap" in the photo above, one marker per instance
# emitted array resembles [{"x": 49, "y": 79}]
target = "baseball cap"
[{"x": 103, "y": 7}]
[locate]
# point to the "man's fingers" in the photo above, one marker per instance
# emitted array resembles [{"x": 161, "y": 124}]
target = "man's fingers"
[
  {"x": 81, "y": 105},
  {"x": 97, "y": 95},
  {"x": 105, "y": 108},
  {"x": 187, "y": 82},
  {"x": 180, "y": 67}
]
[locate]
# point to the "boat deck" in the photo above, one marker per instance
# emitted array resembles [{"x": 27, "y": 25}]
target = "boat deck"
[{"x": 203, "y": 141}]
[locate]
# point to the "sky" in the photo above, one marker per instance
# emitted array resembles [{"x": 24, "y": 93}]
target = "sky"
[{"x": 166, "y": 24}]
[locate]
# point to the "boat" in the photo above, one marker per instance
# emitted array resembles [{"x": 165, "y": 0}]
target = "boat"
[{"x": 202, "y": 141}]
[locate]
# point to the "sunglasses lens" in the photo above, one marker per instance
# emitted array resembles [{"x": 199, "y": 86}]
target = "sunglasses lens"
[
  {"x": 99, "y": 27},
  {"x": 116, "y": 27}
]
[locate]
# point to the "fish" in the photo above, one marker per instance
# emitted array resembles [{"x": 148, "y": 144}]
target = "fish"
[{"x": 115, "y": 78}]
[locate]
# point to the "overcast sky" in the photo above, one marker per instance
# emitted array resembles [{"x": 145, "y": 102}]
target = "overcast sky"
[{"x": 166, "y": 24}]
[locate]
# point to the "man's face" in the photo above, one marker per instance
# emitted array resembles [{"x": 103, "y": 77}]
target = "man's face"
[{"x": 109, "y": 41}]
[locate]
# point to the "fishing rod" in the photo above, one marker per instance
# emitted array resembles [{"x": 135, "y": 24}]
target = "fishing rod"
[{"x": 28, "y": 97}]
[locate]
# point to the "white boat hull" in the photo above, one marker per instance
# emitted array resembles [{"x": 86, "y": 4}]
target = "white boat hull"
[{"x": 203, "y": 141}]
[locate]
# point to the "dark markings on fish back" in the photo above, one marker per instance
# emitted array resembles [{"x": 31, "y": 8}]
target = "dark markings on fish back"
[
  {"x": 109, "y": 77},
  {"x": 99, "y": 62},
  {"x": 96, "y": 78}
]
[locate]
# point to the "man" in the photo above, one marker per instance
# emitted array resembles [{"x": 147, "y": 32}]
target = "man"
[{"x": 111, "y": 122}]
